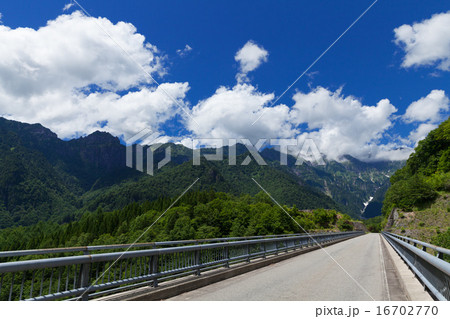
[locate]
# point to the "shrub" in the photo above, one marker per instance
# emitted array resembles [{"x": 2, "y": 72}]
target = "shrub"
[
  {"x": 406, "y": 194},
  {"x": 442, "y": 239},
  {"x": 345, "y": 224},
  {"x": 440, "y": 181}
]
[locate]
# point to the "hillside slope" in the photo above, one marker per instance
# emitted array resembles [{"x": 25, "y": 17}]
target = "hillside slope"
[{"x": 418, "y": 202}]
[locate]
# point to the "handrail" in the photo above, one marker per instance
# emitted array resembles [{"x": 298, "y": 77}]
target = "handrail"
[
  {"x": 63, "y": 261},
  {"x": 87, "y": 249},
  {"x": 432, "y": 271},
  {"x": 440, "y": 250},
  {"x": 98, "y": 274}
]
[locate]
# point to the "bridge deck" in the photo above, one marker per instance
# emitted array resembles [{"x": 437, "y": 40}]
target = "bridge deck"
[{"x": 313, "y": 276}]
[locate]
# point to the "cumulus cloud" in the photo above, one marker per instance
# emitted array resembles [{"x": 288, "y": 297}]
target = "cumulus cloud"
[
  {"x": 337, "y": 124},
  {"x": 69, "y": 75},
  {"x": 184, "y": 51},
  {"x": 229, "y": 113},
  {"x": 342, "y": 124},
  {"x": 426, "y": 42},
  {"x": 428, "y": 108},
  {"x": 250, "y": 57},
  {"x": 421, "y": 132}
]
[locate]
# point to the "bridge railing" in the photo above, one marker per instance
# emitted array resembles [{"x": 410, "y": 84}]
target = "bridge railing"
[
  {"x": 86, "y": 250},
  {"x": 432, "y": 270},
  {"x": 89, "y": 276}
]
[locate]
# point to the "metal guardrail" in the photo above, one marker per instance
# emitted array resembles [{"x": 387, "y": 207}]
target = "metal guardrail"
[
  {"x": 81, "y": 276},
  {"x": 432, "y": 270},
  {"x": 88, "y": 249},
  {"x": 438, "y": 251}
]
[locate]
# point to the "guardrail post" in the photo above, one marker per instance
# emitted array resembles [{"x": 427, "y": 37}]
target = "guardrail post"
[
  {"x": 227, "y": 257},
  {"x": 154, "y": 269},
  {"x": 440, "y": 255},
  {"x": 247, "y": 248},
  {"x": 265, "y": 249},
  {"x": 198, "y": 261},
  {"x": 286, "y": 245},
  {"x": 85, "y": 269}
]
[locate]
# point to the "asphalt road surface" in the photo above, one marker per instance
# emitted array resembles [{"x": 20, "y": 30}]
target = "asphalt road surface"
[{"x": 350, "y": 270}]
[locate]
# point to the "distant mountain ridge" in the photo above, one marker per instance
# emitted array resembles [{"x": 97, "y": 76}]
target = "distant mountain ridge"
[{"x": 45, "y": 178}]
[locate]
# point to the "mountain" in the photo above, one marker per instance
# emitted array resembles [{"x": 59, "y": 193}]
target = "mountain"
[
  {"x": 45, "y": 178},
  {"x": 219, "y": 176},
  {"x": 418, "y": 202},
  {"x": 351, "y": 182}
]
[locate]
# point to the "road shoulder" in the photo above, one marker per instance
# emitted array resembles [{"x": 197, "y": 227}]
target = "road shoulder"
[{"x": 403, "y": 284}]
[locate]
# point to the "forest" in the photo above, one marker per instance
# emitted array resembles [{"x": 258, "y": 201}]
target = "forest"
[
  {"x": 197, "y": 215},
  {"x": 425, "y": 175}
]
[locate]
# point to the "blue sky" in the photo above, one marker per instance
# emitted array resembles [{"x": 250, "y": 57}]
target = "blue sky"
[{"x": 366, "y": 65}]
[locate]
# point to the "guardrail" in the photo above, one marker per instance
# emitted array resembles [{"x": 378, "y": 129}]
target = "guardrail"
[
  {"x": 85, "y": 250},
  {"x": 432, "y": 270},
  {"x": 90, "y": 276}
]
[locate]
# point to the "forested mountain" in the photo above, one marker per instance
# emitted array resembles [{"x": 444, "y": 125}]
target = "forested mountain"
[
  {"x": 426, "y": 173},
  {"x": 418, "y": 202},
  {"x": 197, "y": 215},
  {"x": 351, "y": 183},
  {"x": 45, "y": 178}
]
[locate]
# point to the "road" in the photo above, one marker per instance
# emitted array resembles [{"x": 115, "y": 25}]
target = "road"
[{"x": 350, "y": 270}]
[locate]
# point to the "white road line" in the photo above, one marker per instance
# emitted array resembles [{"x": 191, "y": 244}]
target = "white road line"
[{"x": 383, "y": 272}]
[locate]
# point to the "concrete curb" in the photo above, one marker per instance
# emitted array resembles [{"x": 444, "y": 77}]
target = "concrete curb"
[
  {"x": 176, "y": 288},
  {"x": 412, "y": 287}
]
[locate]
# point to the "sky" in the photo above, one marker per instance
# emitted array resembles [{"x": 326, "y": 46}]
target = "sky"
[{"x": 370, "y": 87}]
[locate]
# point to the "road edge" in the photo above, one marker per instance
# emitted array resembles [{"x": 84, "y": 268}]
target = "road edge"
[
  {"x": 411, "y": 286},
  {"x": 174, "y": 289}
]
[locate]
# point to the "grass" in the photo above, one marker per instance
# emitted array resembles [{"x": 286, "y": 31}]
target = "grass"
[{"x": 424, "y": 223}]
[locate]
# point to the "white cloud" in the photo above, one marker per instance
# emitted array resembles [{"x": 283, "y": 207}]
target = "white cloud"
[
  {"x": 421, "y": 132},
  {"x": 126, "y": 115},
  {"x": 68, "y": 6},
  {"x": 426, "y": 42},
  {"x": 229, "y": 113},
  {"x": 250, "y": 57},
  {"x": 1, "y": 16},
  {"x": 68, "y": 75},
  {"x": 342, "y": 125},
  {"x": 71, "y": 77},
  {"x": 184, "y": 51},
  {"x": 338, "y": 125},
  {"x": 428, "y": 108}
]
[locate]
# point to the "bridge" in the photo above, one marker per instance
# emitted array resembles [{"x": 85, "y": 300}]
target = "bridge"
[{"x": 323, "y": 266}]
